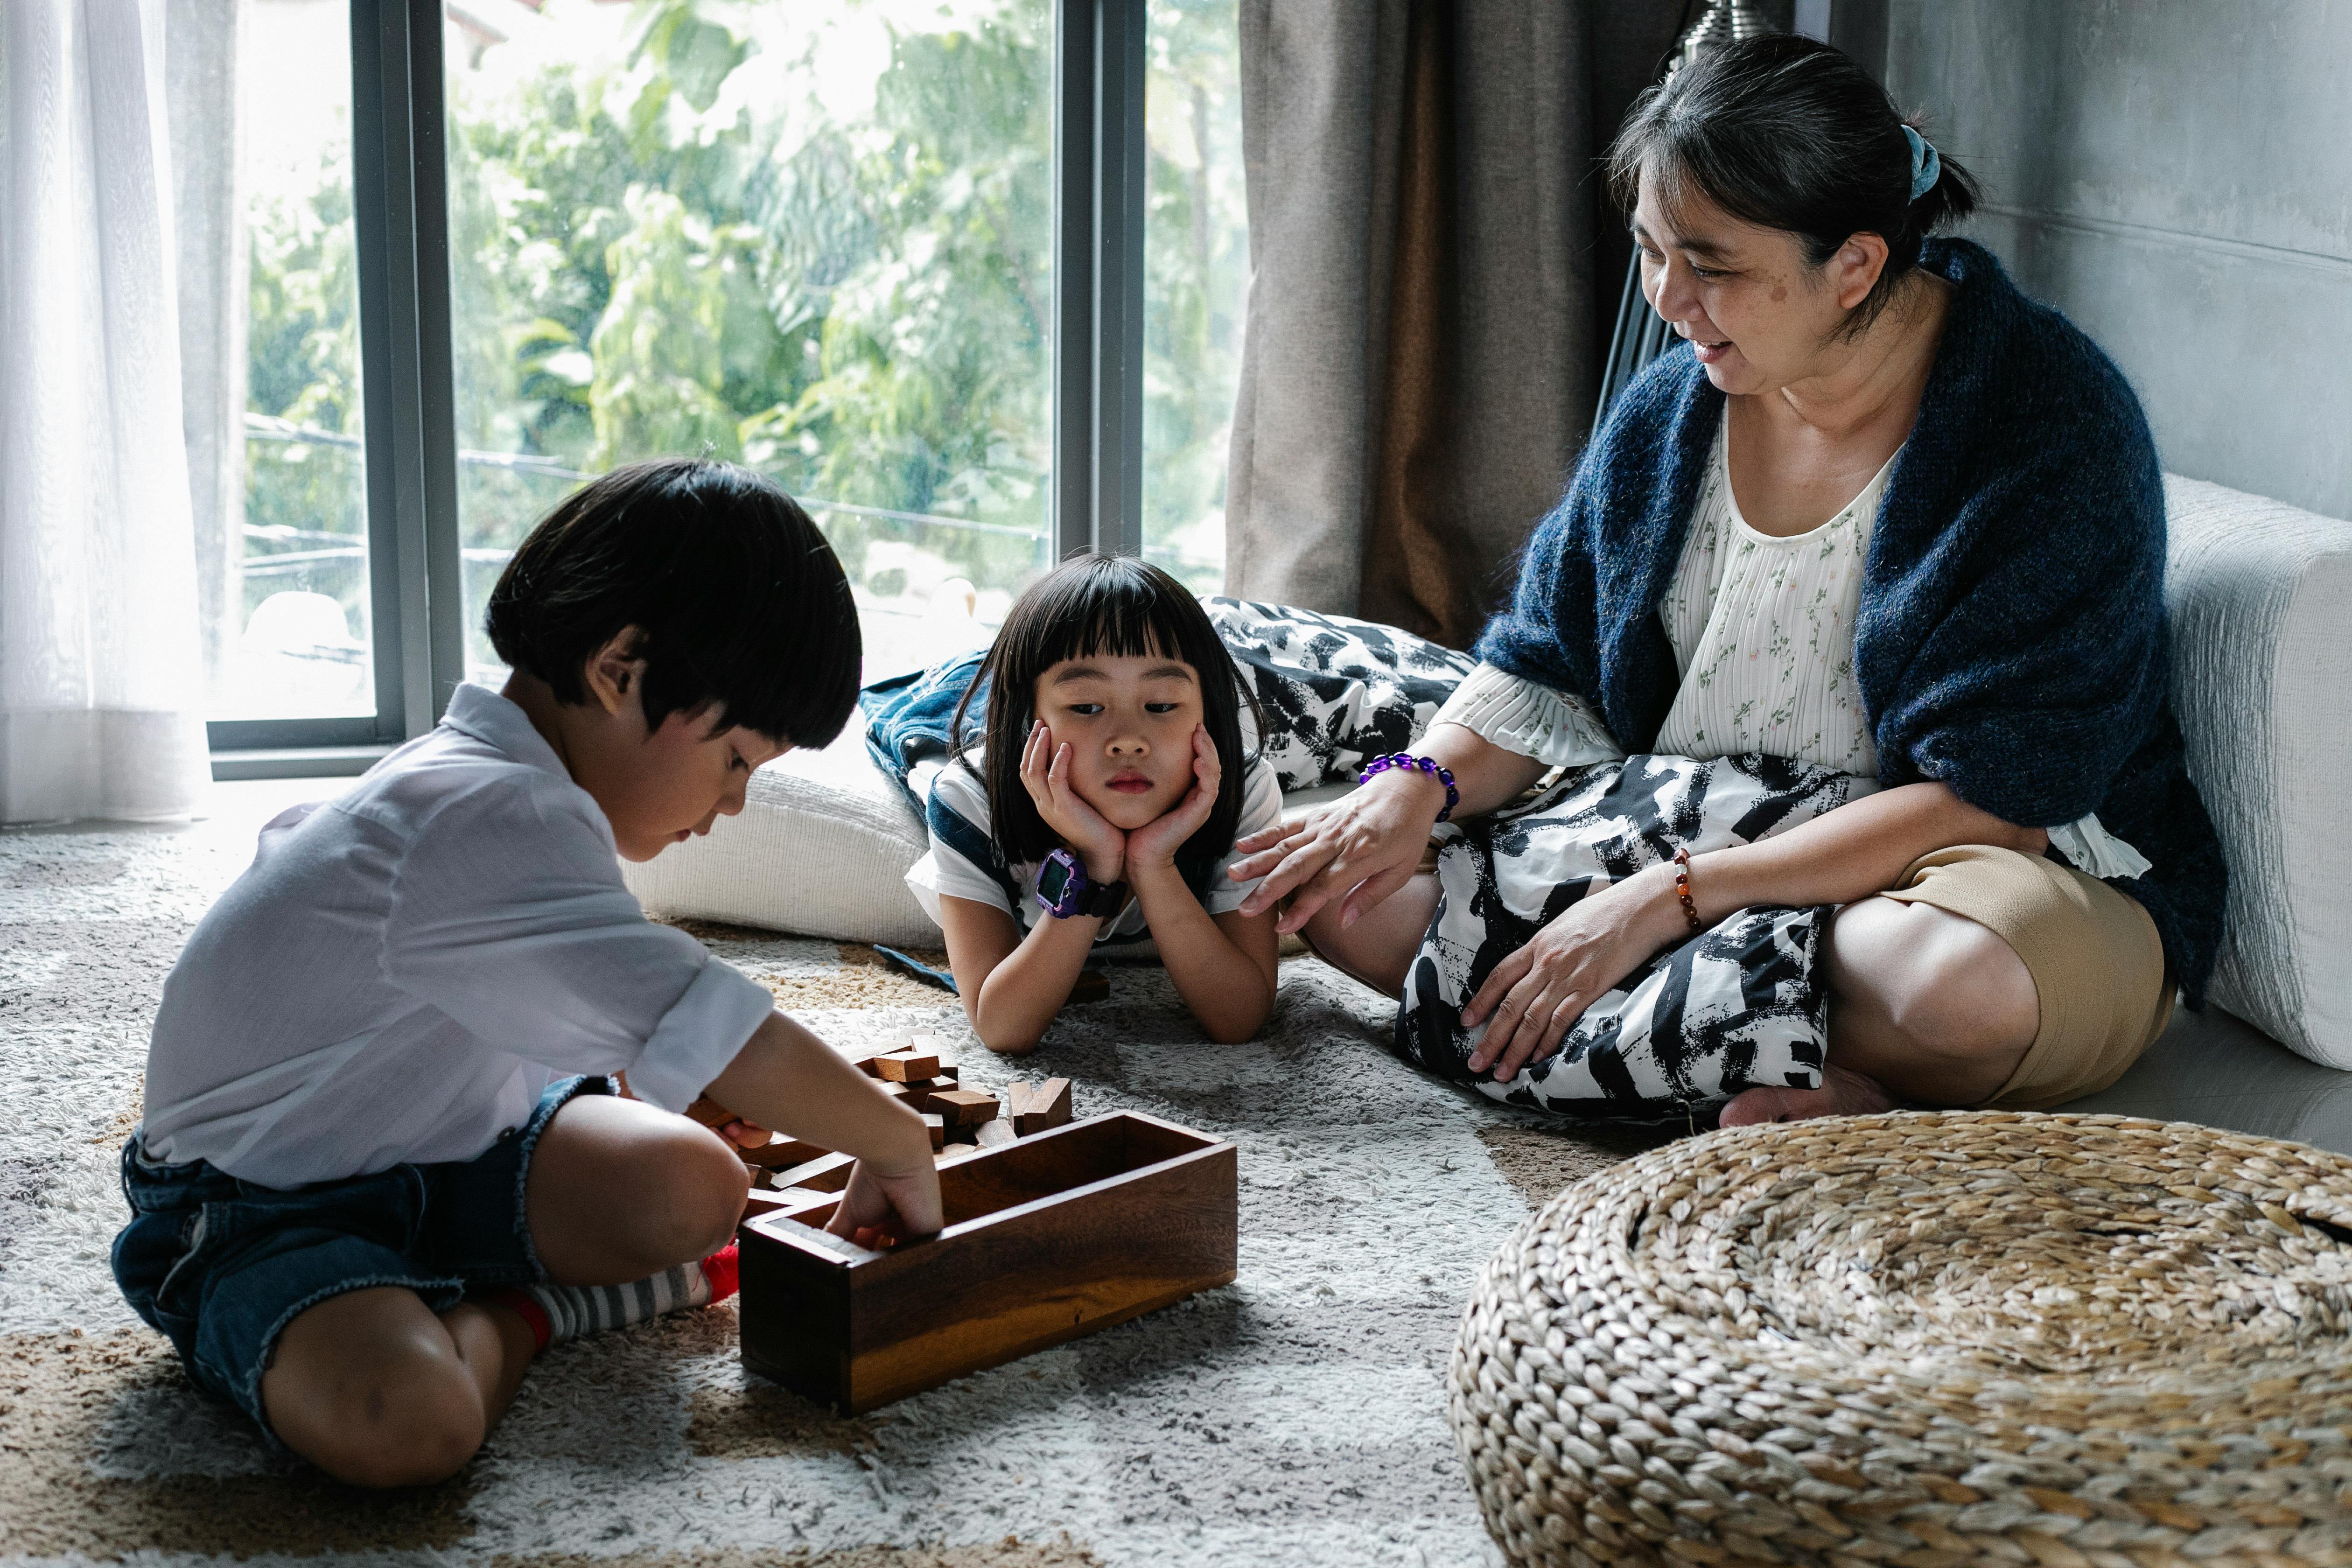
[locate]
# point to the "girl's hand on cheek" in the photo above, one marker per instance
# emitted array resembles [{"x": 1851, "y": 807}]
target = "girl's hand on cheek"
[
  {"x": 1046, "y": 774},
  {"x": 1155, "y": 844}
]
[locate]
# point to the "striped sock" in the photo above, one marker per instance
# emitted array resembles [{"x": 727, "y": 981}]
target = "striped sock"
[{"x": 558, "y": 1313}]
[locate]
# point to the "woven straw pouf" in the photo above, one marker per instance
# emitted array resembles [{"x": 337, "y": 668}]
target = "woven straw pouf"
[{"x": 1923, "y": 1339}]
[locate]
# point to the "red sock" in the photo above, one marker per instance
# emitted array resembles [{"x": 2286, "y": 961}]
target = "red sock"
[
  {"x": 719, "y": 1268},
  {"x": 533, "y": 1315}
]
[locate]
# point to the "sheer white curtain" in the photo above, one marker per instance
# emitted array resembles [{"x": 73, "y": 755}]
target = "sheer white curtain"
[{"x": 100, "y": 685}]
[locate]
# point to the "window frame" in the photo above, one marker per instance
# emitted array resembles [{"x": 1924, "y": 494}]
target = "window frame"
[{"x": 408, "y": 410}]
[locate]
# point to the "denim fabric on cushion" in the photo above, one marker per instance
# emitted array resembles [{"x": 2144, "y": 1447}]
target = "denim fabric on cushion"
[
  {"x": 908, "y": 717},
  {"x": 2011, "y": 640},
  {"x": 220, "y": 1266}
]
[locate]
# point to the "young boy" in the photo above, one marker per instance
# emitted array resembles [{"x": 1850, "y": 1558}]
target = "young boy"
[{"x": 380, "y": 1157}]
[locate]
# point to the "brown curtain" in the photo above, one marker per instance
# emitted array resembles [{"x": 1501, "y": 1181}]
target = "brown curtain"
[{"x": 1429, "y": 301}]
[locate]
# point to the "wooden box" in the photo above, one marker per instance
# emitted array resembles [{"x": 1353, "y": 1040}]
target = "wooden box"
[{"x": 1047, "y": 1237}]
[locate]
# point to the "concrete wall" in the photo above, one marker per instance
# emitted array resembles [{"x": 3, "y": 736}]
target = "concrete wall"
[{"x": 2177, "y": 176}]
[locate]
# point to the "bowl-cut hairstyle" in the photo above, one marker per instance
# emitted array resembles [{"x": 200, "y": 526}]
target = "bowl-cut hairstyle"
[{"x": 741, "y": 608}]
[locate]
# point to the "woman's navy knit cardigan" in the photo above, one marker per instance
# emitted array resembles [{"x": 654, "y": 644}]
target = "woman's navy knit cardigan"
[{"x": 2011, "y": 636}]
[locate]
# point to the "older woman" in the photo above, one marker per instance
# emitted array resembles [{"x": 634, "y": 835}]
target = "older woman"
[{"x": 1884, "y": 516}]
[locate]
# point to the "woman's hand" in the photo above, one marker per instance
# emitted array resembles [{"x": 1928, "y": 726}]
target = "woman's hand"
[
  {"x": 877, "y": 1209},
  {"x": 1153, "y": 846},
  {"x": 1365, "y": 847},
  {"x": 1538, "y": 993},
  {"x": 1046, "y": 774}
]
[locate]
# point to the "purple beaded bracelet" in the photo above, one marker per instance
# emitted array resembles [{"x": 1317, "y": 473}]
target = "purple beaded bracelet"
[{"x": 1427, "y": 765}]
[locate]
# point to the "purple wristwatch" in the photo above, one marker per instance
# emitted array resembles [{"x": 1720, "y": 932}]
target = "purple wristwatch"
[{"x": 1063, "y": 890}]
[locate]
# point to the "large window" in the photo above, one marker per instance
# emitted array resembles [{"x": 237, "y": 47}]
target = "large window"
[
  {"x": 287, "y": 559},
  {"x": 555, "y": 235},
  {"x": 815, "y": 239},
  {"x": 1196, "y": 271}
]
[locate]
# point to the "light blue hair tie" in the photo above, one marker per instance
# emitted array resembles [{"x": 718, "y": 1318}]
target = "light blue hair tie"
[{"x": 1926, "y": 167}]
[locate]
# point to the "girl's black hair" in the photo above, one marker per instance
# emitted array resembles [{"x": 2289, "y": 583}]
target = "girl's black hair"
[
  {"x": 1106, "y": 606},
  {"x": 1788, "y": 133},
  {"x": 741, "y": 604}
]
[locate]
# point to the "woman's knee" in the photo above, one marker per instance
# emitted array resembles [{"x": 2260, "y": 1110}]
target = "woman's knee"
[
  {"x": 1948, "y": 987},
  {"x": 1379, "y": 948}
]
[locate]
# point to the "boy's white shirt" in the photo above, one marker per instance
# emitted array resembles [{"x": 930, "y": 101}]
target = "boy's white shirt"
[
  {"x": 943, "y": 871},
  {"x": 401, "y": 972}
]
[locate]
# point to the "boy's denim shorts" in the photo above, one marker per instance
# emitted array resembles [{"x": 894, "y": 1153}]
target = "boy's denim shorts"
[{"x": 221, "y": 1266}]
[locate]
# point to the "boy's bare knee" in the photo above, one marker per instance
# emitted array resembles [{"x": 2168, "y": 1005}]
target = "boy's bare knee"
[
  {"x": 361, "y": 1388},
  {"x": 406, "y": 1434},
  {"x": 710, "y": 1190},
  {"x": 696, "y": 1199}
]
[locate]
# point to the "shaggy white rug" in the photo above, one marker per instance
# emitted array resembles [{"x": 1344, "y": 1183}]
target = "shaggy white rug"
[{"x": 1296, "y": 1417}]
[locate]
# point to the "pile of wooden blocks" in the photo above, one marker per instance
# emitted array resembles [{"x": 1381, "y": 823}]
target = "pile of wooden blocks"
[{"x": 916, "y": 1072}]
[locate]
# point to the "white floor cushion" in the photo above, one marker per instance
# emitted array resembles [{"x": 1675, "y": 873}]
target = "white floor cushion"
[{"x": 2261, "y": 600}]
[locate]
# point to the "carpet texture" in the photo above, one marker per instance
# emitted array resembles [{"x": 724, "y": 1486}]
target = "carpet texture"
[{"x": 1296, "y": 1417}]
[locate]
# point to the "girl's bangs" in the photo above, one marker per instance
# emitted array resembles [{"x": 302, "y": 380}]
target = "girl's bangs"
[{"x": 1113, "y": 615}]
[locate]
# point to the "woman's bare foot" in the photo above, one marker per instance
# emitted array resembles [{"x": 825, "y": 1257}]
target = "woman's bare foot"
[{"x": 1843, "y": 1093}]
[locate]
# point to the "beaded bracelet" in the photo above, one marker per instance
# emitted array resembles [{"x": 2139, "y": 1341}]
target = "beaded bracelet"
[
  {"x": 1425, "y": 765},
  {"x": 1682, "y": 888}
]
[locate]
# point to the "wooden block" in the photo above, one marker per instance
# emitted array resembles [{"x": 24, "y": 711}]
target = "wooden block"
[
  {"x": 904, "y": 1067},
  {"x": 1048, "y": 1238},
  {"x": 828, "y": 1173},
  {"x": 919, "y": 1091},
  {"x": 1016, "y": 1097},
  {"x": 780, "y": 1151},
  {"x": 949, "y": 1074},
  {"x": 994, "y": 1134},
  {"x": 964, "y": 1107},
  {"x": 895, "y": 1090},
  {"x": 1047, "y": 1105},
  {"x": 1093, "y": 985},
  {"x": 939, "y": 1129},
  {"x": 707, "y": 1112}
]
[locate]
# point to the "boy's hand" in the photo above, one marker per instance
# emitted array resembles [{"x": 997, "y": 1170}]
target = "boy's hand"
[
  {"x": 1046, "y": 774},
  {"x": 1153, "y": 845},
  {"x": 709, "y": 1113},
  {"x": 876, "y": 1209}
]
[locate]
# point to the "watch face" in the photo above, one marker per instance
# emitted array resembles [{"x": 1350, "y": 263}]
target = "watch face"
[{"x": 1061, "y": 884}]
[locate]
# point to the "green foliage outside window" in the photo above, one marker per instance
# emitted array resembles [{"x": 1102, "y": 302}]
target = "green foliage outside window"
[{"x": 698, "y": 239}]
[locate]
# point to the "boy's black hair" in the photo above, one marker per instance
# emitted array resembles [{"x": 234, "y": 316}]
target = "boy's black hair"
[
  {"x": 1105, "y": 606},
  {"x": 741, "y": 606}
]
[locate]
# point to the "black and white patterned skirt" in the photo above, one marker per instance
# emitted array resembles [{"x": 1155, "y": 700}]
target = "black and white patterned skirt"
[{"x": 1734, "y": 1007}]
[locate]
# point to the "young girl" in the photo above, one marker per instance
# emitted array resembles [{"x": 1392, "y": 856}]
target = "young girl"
[{"x": 1102, "y": 807}]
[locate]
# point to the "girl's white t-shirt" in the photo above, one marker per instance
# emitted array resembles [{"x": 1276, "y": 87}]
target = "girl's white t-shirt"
[{"x": 946, "y": 871}]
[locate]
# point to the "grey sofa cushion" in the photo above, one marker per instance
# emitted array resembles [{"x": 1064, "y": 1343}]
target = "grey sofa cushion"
[{"x": 2260, "y": 595}]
